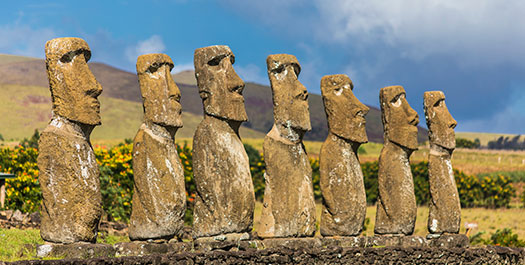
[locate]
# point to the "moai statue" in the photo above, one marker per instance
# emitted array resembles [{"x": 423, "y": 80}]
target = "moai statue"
[
  {"x": 69, "y": 174},
  {"x": 396, "y": 205},
  {"x": 342, "y": 184},
  {"x": 445, "y": 209},
  {"x": 289, "y": 206},
  {"x": 225, "y": 197},
  {"x": 159, "y": 197}
]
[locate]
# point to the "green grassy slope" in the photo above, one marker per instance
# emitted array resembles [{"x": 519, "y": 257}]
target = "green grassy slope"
[
  {"x": 118, "y": 84},
  {"x": 26, "y": 108},
  {"x": 8, "y": 58}
]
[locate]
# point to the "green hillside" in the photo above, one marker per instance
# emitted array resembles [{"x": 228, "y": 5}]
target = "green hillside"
[
  {"x": 8, "y": 58},
  {"x": 26, "y": 108},
  {"x": 122, "y": 85}
]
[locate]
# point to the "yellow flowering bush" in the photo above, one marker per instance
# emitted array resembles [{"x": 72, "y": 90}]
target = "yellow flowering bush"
[
  {"x": 497, "y": 191},
  {"x": 116, "y": 180},
  {"x": 23, "y": 191}
]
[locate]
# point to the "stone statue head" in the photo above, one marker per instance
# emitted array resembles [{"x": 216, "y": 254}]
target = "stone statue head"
[
  {"x": 160, "y": 94},
  {"x": 439, "y": 121},
  {"x": 74, "y": 89},
  {"x": 399, "y": 119},
  {"x": 344, "y": 112},
  {"x": 219, "y": 86},
  {"x": 290, "y": 98}
]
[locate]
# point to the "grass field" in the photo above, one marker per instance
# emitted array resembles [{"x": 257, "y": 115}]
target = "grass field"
[
  {"x": 18, "y": 244},
  {"x": 470, "y": 161}
]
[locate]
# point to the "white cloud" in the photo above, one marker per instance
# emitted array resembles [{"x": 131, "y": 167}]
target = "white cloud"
[
  {"x": 24, "y": 40},
  {"x": 182, "y": 67},
  {"x": 152, "y": 45},
  {"x": 477, "y": 31},
  {"x": 252, "y": 73}
]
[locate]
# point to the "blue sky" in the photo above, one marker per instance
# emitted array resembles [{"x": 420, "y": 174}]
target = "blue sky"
[{"x": 473, "y": 50}]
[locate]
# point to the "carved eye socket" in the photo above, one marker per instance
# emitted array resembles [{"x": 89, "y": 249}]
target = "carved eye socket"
[
  {"x": 297, "y": 69},
  {"x": 204, "y": 94},
  {"x": 279, "y": 69},
  {"x": 438, "y": 103},
  {"x": 216, "y": 60},
  {"x": 176, "y": 97},
  {"x": 153, "y": 68},
  {"x": 68, "y": 57},
  {"x": 396, "y": 101}
]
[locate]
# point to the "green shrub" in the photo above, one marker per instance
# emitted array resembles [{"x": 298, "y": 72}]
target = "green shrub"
[
  {"x": 257, "y": 169},
  {"x": 23, "y": 191},
  {"x": 505, "y": 238},
  {"x": 421, "y": 185},
  {"x": 465, "y": 143},
  {"x": 523, "y": 198},
  {"x": 316, "y": 178},
  {"x": 469, "y": 189},
  {"x": 186, "y": 158},
  {"x": 116, "y": 180},
  {"x": 31, "y": 142},
  {"x": 419, "y": 173},
  {"x": 497, "y": 191},
  {"x": 514, "y": 176},
  {"x": 370, "y": 171}
]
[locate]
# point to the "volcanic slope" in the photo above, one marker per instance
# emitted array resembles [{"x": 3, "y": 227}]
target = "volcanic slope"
[{"x": 121, "y": 103}]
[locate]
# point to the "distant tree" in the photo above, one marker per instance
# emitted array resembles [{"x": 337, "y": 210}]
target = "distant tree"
[
  {"x": 477, "y": 143},
  {"x": 1, "y": 137},
  {"x": 465, "y": 143},
  {"x": 508, "y": 143},
  {"x": 31, "y": 142}
]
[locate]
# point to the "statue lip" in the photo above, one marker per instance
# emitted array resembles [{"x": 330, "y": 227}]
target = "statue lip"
[
  {"x": 238, "y": 97},
  {"x": 95, "y": 104}
]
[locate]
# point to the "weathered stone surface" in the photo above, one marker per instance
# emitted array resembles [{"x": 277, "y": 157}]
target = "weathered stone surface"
[
  {"x": 292, "y": 243},
  {"x": 344, "y": 241},
  {"x": 288, "y": 207},
  {"x": 75, "y": 251},
  {"x": 342, "y": 184},
  {"x": 141, "y": 248},
  {"x": 396, "y": 205},
  {"x": 69, "y": 174},
  {"x": 445, "y": 208},
  {"x": 159, "y": 197},
  {"x": 225, "y": 197},
  {"x": 219, "y": 86},
  {"x": 450, "y": 241},
  {"x": 232, "y": 241}
]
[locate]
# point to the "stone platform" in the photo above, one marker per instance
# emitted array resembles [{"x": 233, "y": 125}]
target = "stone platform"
[
  {"x": 334, "y": 255},
  {"x": 242, "y": 242}
]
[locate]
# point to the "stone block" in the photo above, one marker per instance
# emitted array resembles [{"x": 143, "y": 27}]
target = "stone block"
[
  {"x": 75, "y": 250},
  {"x": 292, "y": 243},
  {"x": 142, "y": 248}
]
